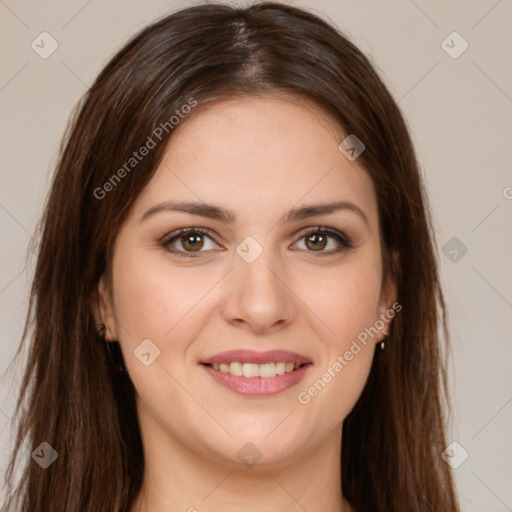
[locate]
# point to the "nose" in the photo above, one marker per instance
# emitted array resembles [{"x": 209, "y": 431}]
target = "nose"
[{"x": 259, "y": 295}]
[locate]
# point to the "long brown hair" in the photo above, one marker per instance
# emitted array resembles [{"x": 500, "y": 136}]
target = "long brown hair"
[{"x": 75, "y": 395}]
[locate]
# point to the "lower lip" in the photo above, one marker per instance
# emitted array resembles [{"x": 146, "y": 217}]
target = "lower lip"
[{"x": 256, "y": 386}]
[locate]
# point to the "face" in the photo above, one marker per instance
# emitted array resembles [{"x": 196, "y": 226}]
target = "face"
[{"x": 250, "y": 326}]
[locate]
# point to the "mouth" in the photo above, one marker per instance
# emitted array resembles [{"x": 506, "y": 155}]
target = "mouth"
[{"x": 256, "y": 374}]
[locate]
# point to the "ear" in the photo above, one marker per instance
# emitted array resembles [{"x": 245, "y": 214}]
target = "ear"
[
  {"x": 388, "y": 303},
  {"x": 104, "y": 312}
]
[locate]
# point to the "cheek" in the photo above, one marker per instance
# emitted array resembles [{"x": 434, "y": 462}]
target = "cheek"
[
  {"x": 345, "y": 304},
  {"x": 167, "y": 305},
  {"x": 153, "y": 300},
  {"x": 344, "y": 301}
]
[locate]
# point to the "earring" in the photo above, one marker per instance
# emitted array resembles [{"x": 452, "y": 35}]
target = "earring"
[
  {"x": 101, "y": 330},
  {"x": 382, "y": 344}
]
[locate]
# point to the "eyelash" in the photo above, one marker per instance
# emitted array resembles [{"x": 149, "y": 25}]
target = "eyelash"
[{"x": 344, "y": 241}]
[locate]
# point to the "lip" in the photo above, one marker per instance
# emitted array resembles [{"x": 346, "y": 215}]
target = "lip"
[
  {"x": 252, "y": 356},
  {"x": 257, "y": 386}
]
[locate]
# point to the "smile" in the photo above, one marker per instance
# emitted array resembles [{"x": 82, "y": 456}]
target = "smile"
[
  {"x": 257, "y": 374},
  {"x": 249, "y": 370}
]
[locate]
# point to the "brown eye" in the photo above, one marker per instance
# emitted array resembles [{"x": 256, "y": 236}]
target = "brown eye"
[
  {"x": 189, "y": 242},
  {"x": 316, "y": 242},
  {"x": 192, "y": 242},
  {"x": 319, "y": 239}
]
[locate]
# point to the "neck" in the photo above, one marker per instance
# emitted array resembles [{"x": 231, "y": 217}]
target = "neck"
[{"x": 179, "y": 479}]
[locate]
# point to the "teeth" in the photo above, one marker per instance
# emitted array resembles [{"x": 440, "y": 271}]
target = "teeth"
[
  {"x": 251, "y": 370},
  {"x": 267, "y": 371},
  {"x": 236, "y": 369},
  {"x": 280, "y": 368},
  {"x": 264, "y": 371}
]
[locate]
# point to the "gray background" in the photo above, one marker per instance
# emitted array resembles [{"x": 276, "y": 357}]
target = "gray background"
[{"x": 459, "y": 112}]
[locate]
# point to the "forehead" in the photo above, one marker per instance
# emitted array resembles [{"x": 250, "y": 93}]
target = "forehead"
[{"x": 259, "y": 154}]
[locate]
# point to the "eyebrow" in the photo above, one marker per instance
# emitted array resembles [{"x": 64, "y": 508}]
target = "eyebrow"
[{"x": 227, "y": 217}]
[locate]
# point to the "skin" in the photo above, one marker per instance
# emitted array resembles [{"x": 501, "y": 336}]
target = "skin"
[{"x": 258, "y": 157}]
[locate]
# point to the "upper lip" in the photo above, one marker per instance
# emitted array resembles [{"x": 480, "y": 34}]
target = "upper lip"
[{"x": 251, "y": 356}]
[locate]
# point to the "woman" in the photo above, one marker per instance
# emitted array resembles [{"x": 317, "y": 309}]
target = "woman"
[{"x": 236, "y": 301}]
